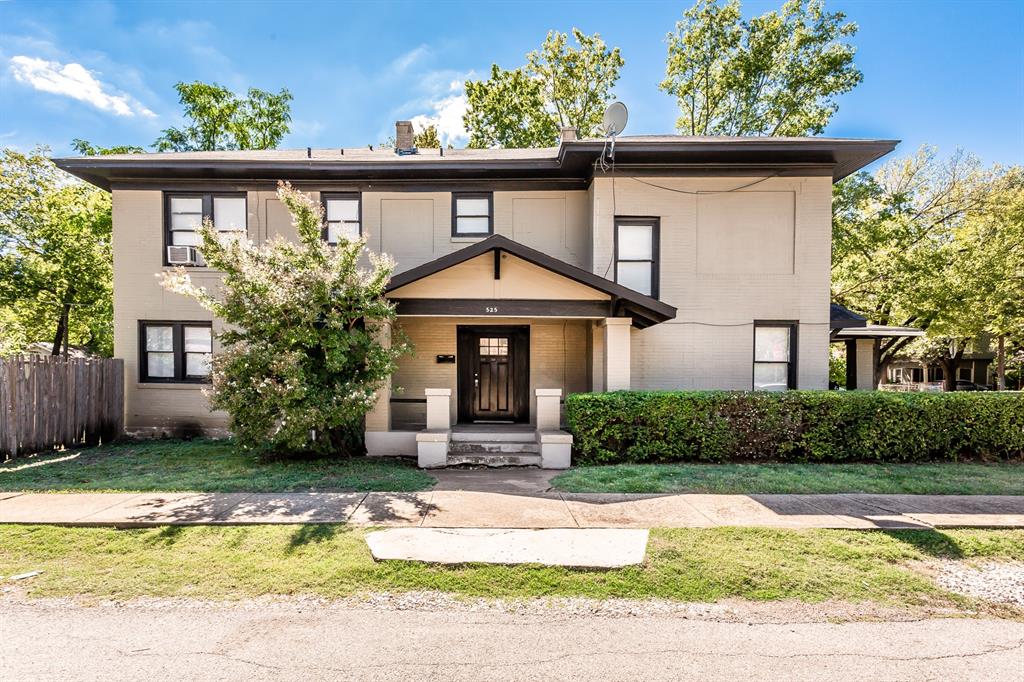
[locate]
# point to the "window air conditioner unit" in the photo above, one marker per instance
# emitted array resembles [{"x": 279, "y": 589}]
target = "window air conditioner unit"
[{"x": 182, "y": 255}]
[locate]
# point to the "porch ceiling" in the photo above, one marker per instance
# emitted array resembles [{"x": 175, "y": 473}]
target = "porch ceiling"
[{"x": 465, "y": 284}]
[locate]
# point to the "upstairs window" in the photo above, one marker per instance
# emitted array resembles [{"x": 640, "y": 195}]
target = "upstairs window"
[
  {"x": 636, "y": 254},
  {"x": 175, "y": 352},
  {"x": 472, "y": 214},
  {"x": 341, "y": 217},
  {"x": 185, "y": 214},
  {"x": 774, "y": 354}
]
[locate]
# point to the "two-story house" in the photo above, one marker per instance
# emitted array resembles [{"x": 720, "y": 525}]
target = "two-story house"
[{"x": 523, "y": 274}]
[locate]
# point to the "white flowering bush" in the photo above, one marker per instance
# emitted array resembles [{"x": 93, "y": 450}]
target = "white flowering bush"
[{"x": 302, "y": 360}]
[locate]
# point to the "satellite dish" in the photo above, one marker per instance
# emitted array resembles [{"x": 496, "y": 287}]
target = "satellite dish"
[{"x": 615, "y": 117}]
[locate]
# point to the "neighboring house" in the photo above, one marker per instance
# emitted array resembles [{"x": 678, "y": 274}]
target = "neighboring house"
[
  {"x": 523, "y": 274},
  {"x": 915, "y": 374}
]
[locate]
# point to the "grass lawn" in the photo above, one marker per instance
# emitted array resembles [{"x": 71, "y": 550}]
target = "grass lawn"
[
  {"x": 1005, "y": 478},
  {"x": 333, "y": 561},
  {"x": 202, "y": 466}
]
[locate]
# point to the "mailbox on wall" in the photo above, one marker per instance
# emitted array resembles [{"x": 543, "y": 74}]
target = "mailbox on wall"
[{"x": 445, "y": 359}]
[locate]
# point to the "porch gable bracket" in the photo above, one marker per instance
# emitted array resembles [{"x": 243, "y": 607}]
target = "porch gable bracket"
[{"x": 643, "y": 310}]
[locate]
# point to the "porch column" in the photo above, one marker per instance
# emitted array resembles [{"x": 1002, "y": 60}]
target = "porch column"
[
  {"x": 379, "y": 416},
  {"x": 616, "y": 353},
  {"x": 549, "y": 409},
  {"x": 438, "y": 408},
  {"x": 432, "y": 442},
  {"x": 865, "y": 365},
  {"x": 596, "y": 357}
]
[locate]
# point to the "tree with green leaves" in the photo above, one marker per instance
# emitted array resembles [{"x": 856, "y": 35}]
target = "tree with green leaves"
[
  {"x": 921, "y": 243},
  {"x": 55, "y": 256},
  {"x": 302, "y": 360},
  {"x": 86, "y": 148},
  {"x": 776, "y": 74},
  {"x": 219, "y": 119},
  {"x": 560, "y": 85},
  {"x": 427, "y": 138}
]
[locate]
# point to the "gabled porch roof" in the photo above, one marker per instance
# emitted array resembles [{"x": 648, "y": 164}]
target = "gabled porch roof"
[{"x": 607, "y": 299}]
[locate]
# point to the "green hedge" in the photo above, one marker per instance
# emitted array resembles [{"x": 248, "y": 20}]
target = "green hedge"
[{"x": 798, "y": 426}]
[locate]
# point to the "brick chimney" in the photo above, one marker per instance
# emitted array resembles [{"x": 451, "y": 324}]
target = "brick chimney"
[
  {"x": 403, "y": 136},
  {"x": 567, "y": 134}
]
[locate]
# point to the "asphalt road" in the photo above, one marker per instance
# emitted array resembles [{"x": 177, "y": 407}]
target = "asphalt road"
[{"x": 275, "y": 643}]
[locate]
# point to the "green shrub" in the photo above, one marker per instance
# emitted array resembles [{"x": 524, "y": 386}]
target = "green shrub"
[{"x": 802, "y": 426}]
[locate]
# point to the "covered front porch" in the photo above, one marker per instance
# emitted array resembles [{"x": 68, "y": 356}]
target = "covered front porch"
[{"x": 502, "y": 333}]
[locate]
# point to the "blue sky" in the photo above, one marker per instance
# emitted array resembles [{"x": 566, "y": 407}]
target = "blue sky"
[{"x": 945, "y": 73}]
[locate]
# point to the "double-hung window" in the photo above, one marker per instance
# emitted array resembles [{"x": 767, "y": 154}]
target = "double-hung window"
[
  {"x": 774, "y": 356},
  {"x": 636, "y": 254},
  {"x": 185, "y": 214},
  {"x": 342, "y": 217},
  {"x": 177, "y": 352},
  {"x": 472, "y": 214}
]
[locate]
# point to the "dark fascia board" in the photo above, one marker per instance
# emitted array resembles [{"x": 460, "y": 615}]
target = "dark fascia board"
[
  {"x": 645, "y": 310},
  {"x": 105, "y": 172},
  {"x": 841, "y": 317},
  {"x": 845, "y": 156},
  {"x": 573, "y": 160}
]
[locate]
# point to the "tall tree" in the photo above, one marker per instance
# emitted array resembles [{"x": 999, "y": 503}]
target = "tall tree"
[
  {"x": 55, "y": 255},
  {"x": 903, "y": 254},
  {"x": 302, "y": 358},
  {"x": 560, "y": 85},
  {"x": 776, "y": 74},
  {"x": 508, "y": 110},
  {"x": 219, "y": 119}
]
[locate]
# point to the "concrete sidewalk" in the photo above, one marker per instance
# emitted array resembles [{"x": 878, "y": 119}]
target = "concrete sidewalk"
[{"x": 539, "y": 509}]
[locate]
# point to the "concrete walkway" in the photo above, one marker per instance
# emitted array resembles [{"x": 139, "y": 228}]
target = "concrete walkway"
[{"x": 481, "y": 509}]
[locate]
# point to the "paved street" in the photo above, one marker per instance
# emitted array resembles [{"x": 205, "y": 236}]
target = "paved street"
[{"x": 280, "y": 642}]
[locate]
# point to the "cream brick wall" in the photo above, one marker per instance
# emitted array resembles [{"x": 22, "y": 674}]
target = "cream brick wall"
[
  {"x": 415, "y": 227},
  {"x": 710, "y": 343},
  {"x": 138, "y": 259},
  {"x": 558, "y": 359}
]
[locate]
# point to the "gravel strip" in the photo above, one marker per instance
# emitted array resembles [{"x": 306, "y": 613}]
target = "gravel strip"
[
  {"x": 547, "y": 608},
  {"x": 999, "y": 582}
]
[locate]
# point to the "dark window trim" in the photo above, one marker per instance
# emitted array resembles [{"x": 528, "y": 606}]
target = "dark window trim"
[
  {"x": 490, "y": 213},
  {"x": 327, "y": 196},
  {"x": 207, "y": 198},
  {"x": 177, "y": 348},
  {"x": 794, "y": 356},
  {"x": 655, "y": 261}
]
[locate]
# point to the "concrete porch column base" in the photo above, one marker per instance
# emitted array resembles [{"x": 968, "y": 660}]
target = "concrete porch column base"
[
  {"x": 555, "y": 449},
  {"x": 432, "y": 448}
]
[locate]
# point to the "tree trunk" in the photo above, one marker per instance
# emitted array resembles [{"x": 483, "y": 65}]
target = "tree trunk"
[
  {"x": 949, "y": 364},
  {"x": 62, "y": 326},
  {"x": 1001, "y": 364},
  {"x": 67, "y": 329}
]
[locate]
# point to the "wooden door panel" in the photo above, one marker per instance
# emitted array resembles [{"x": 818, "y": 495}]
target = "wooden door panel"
[{"x": 493, "y": 373}]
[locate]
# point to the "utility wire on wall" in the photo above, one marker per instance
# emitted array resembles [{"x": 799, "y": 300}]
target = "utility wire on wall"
[{"x": 607, "y": 165}]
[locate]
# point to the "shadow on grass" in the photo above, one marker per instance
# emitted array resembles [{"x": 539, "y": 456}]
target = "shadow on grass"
[
  {"x": 312, "y": 534},
  {"x": 168, "y": 535},
  {"x": 932, "y": 543}
]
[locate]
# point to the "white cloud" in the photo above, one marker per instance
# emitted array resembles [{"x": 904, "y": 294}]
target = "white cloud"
[
  {"x": 75, "y": 81},
  {"x": 447, "y": 116},
  {"x": 403, "y": 62}
]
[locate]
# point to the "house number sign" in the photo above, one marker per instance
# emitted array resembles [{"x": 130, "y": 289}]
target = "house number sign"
[{"x": 491, "y": 309}]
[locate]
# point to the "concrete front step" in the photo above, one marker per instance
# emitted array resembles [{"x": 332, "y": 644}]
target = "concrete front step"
[
  {"x": 523, "y": 436},
  {"x": 493, "y": 459},
  {"x": 493, "y": 447}
]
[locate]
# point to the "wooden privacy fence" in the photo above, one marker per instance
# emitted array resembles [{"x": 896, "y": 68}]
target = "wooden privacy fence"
[{"x": 48, "y": 402}]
